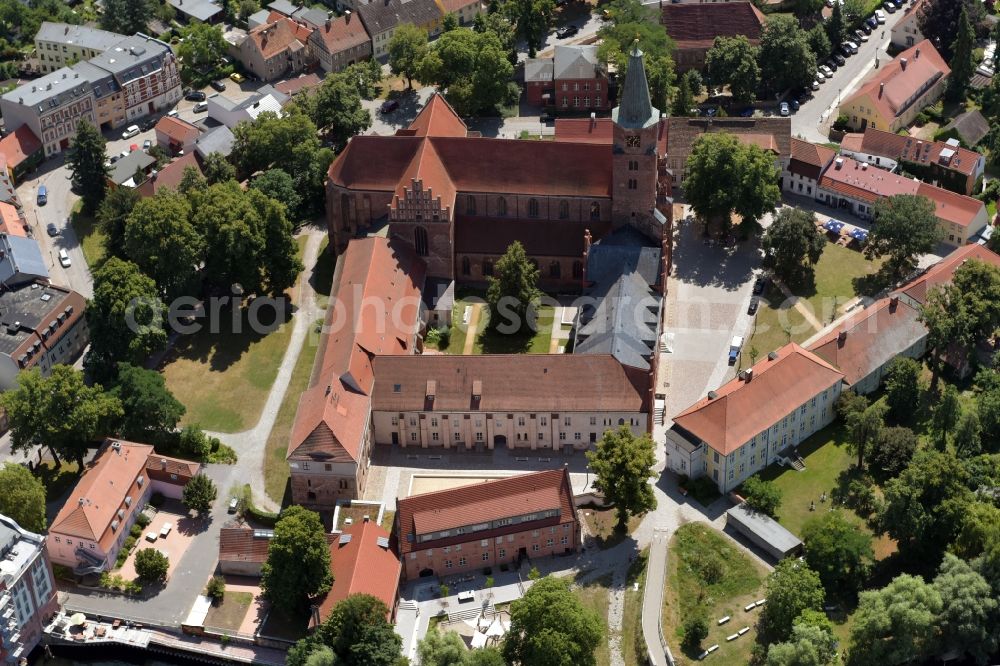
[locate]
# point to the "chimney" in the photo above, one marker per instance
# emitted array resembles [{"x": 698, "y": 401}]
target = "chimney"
[
  {"x": 593, "y": 119},
  {"x": 893, "y": 303},
  {"x": 916, "y": 55},
  {"x": 902, "y": 63},
  {"x": 152, "y": 175},
  {"x": 841, "y": 338},
  {"x": 838, "y": 163},
  {"x": 163, "y": 463},
  {"x": 367, "y": 518},
  {"x": 82, "y": 500},
  {"x": 749, "y": 374}
]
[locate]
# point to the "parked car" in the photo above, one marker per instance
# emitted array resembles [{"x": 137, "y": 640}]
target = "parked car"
[
  {"x": 172, "y": 113},
  {"x": 754, "y": 304},
  {"x": 734, "y": 349},
  {"x": 759, "y": 284},
  {"x": 839, "y": 59},
  {"x": 747, "y": 112},
  {"x": 784, "y": 109},
  {"x": 851, "y": 47},
  {"x": 200, "y": 107},
  {"x": 879, "y": 17},
  {"x": 130, "y": 131},
  {"x": 64, "y": 258},
  {"x": 236, "y": 77},
  {"x": 815, "y": 85},
  {"x": 148, "y": 124},
  {"x": 567, "y": 31},
  {"x": 388, "y": 106},
  {"x": 866, "y": 29},
  {"x": 147, "y": 144},
  {"x": 832, "y": 64},
  {"x": 861, "y": 35},
  {"x": 194, "y": 96},
  {"x": 234, "y": 504},
  {"x": 218, "y": 86},
  {"x": 826, "y": 71},
  {"x": 795, "y": 104},
  {"x": 889, "y": 7},
  {"x": 51, "y": 229},
  {"x": 43, "y": 195}
]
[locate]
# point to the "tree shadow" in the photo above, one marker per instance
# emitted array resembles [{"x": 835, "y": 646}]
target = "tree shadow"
[
  {"x": 494, "y": 342},
  {"x": 872, "y": 284},
  {"x": 192, "y": 526},
  {"x": 321, "y": 277}
]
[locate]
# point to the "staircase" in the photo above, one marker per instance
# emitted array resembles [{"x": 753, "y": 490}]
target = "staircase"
[
  {"x": 472, "y": 613},
  {"x": 406, "y": 604}
]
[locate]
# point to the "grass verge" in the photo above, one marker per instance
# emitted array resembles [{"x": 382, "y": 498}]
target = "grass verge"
[
  {"x": 603, "y": 524},
  {"x": 596, "y": 596},
  {"x": 230, "y": 613},
  {"x": 633, "y": 642},
  {"x": 89, "y": 234}
]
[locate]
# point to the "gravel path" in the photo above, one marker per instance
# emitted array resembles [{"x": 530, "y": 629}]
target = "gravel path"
[{"x": 250, "y": 444}]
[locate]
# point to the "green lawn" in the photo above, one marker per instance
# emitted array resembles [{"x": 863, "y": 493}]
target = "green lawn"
[
  {"x": 633, "y": 643},
  {"x": 596, "y": 596},
  {"x": 707, "y": 574},
  {"x": 275, "y": 467},
  {"x": 90, "y": 236},
  {"x": 230, "y": 613},
  {"x": 603, "y": 524},
  {"x": 57, "y": 480},
  {"x": 223, "y": 377},
  {"x": 529, "y": 342}
]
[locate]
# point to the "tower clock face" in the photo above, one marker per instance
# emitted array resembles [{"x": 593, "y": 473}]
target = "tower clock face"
[{"x": 632, "y": 141}]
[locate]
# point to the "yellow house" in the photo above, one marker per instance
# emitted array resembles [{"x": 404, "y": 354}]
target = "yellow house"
[
  {"x": 382, "y": 17},
  {"x": 899, "y": 91}
]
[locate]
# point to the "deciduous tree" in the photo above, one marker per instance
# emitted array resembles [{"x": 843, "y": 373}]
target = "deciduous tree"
[
  {"x": 550, "y": 627},
  {"x": 163, "y": 243},
  {"x": 86, "y": 161},
  {"x": 792, "y": 246},
  {"x": 726, "y": 176},
  {"x": 837, "y": 550},
  {"x": 683, "y": 100},
  {"x": 336, "y": 106},
  {"x": 298, "y": 561},
  {"x": 808, "y": 645},
  {"x": 902, "y": 388},
  {"x": 939, "y": 21},
  {"x": 967, "y": 623},
  {"x": 622, "y": 465},
  {"x": 836, "y": 27},
  {"x": 151, "y": 565},
  {"x": 355, "y": 633},
  {"x": 22, "y": 497},
  {"x": 786, "y": 61},
  {"x": 111, "y": 215},
  {"x": 791, "y": 589},
  {"x": 946, "y": 413},
  {"x": 218, "y": 169},
  {"x": 473, "y": 68},
  {"x": 631, "y": 20},
  {"x": 864, "y": 428},
  {"x": 905, "y": 227},
  {"x": 278, "y": 185},
  {"x": 151, "y": 412},
  {"x": 407, "y": 49},
  {"x": 762, "y": 496},
  {"x": 203, "y": 45},
  {"x": 896, "y": 624},
  {"x": 532, "y": 18},
  {"x": 59, "y": 412},
  {"x": 891, "y": 452},
  {"x": 199, "y": 494},
  {"x": 732, "y": 61},
  {"x": 967, "y": 432}
]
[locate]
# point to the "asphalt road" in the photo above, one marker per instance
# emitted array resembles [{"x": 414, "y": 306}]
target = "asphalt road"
[{"x": 821, "y": 109}]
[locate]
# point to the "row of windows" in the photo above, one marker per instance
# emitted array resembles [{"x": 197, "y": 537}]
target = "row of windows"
[
  {"x": 576, "y": 102},
  {"x": 501, "y": 552},
  {"x": 521, "y": 421},
  {"x": 586, "y": 87},
  {"x": 533, "y": 208}
]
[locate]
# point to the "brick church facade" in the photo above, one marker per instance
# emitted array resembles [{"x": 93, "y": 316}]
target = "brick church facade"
[{"x": 459, "y": 199}]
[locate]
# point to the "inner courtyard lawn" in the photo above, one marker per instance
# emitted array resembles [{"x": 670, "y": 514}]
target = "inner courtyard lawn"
[{"x": 596, "y": 595}]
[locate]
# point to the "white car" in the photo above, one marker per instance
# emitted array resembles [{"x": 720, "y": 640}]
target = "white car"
[
  {"x": 64, "y": 260},
  {"x": 200, "y": 107},
  {"x": 131, "y": 131},
  {"x": 880, "y": 16},
  {"x": 820, "y": 76},
  {"x": 815, "y": 85},
  {"x": 826, "y": 71}
]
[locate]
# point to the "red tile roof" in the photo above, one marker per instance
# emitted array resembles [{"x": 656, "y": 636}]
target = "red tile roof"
[
  {"x": 870, "y": 338},
  {"x": 18, "y": 145},
  {"x": 852, "y": 142},
  {"x": 509, "y": 382},
  {"x": 743, "y": 409},
  {"x": 897, "y": 146},
  {"x": 333, "y": 411},
  {"x": 242, "y": 544},
  {"x": 279, "y": 35},
  {"x": 344, "y": 32},
  {"x": 696, "y": 25},
  {"x": 10, "y": 220},
  {"x": 361, "y": 566},
  {"x": 292, "y": 86},
  {"x": 437, "y": 118},
  {"x": 170, "y": 176},
  {"x": 924, "y": 65},
  {"x": 809, "y": 159},
  {"x": 585, "y": 130},
  {"x": 177, "y": 130},
  {"x": 484, "y": 503},
  {"x": 941, "y": 272},
  {"x": 860, "y": 181},
  {"x": 951, "y": 206},
  {"x": 160, "y": 468},
  {"x": 101, "y": 491}
]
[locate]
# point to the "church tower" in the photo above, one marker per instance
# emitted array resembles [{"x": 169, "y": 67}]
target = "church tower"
[{"x": 635, "y": 159}]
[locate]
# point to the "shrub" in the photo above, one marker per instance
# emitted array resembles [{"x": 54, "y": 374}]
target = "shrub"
[
  {"x": 841, "y": 123},
  {"x": 695, "y": 631},
  {"x": 216, "y": 588},
  {"x": 762, "y": 496},
  {"x": 444, "y": 337},
  {"x": 129, "y": 544},
  {"x": 151, "y": 565},
  {"x": 142, "y": 520},
  {"x": 222, "y": 454},
  {"x": 132, "y": 587},
  {"x": 136, "y": 531},
  {"x": 710, "y": 570}
]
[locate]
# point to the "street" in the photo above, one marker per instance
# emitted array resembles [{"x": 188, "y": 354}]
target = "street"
[{"x": 820, "y": 110}]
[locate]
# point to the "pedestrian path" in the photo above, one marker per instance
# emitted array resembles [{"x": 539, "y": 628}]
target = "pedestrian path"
[
  {"x": 470, "y": 336},
  {"x": 797, "y": 304}
]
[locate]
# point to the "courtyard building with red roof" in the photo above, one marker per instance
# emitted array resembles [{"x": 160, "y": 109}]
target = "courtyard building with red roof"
[
  {"x": 944, "y": 163},
  {"x": 573, "y": 80},
  {"x": 93, "y": 524},
  {"x": 693, "y": 27},
  {"x": 807, "y": 163},
  {"x": 855, "y": 187},
  {"x": 274, "y": 50},
  {"x": 363, "y": 560},
  {"x": 487, "y": 524},
  {"x": 756, "y": 419},
  {"x": 341, "y": 41},
  {"x": 891, "y": 99}
]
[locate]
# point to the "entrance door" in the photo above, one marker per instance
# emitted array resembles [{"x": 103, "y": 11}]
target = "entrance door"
[{"x": 395, "y": 439}]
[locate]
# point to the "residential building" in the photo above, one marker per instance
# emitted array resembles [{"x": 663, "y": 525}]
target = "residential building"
[
  {"x": 216, "y": 140},
  {"x": 807, "y": 163},
  {"x": 915, "y": 293},
  {"x": 545, "y": 194},
  {"x": 60, "y": 45},
  {"x": 243, "y": 550},
  {"x": 313, "y": 17},
  {"x": 170, "y": 475},
  {"x": 92, "y": 526},
  {"x": 853, "y": 186},
  {"x": 562, "y": 402},
  {"x": 340, "y": 42},
  {"x": 750, "y": 422},
  {"x": 363, "y": 561},
  {"x": 773, "y": 134},
  {"x": 206, "y": 11},
  {"x": 900, "y": 89},
  {"x": 382, "y": 17},
  {"x": 906, "y": 32},
  {"x": 943, "y": 163},
  {"x": 122, "y": 173},
  {"x": 21, "y": 261},
  {"x": 971, "y": 127},
  {"x": 231, "y": 113},
  {"x": 301, "y": 83},
  {"x": 21, "y": 151},
  {"x": 863, "y": 345},
  {"x": 463, "y": 10},
  {"x": 276, "y": 49},
  {"x": 51, "y": 107},
  {"x": 377, "y": 282},
  {"x": 170, "y": 176},
  {"x": 694, "y": 27},
  {"x": 146, "y": 71},
  {"x": 27, "y": 591},
  {"x": 174, "y": 135},
  {"x": 573, "y": 80},
  {"x": 12, "y": 222},
  {"x": 108, "y": 96},
  {"x": 489, "y": 524}
]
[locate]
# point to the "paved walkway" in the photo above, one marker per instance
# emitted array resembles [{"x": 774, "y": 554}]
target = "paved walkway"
[
  {"x": 652, "y": 600},
  {"x": 470, "y": 335},
  {"x": 250, "y": 444}
]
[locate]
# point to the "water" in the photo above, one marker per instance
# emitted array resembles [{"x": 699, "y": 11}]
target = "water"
[{"x": 104, "y": 656}]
